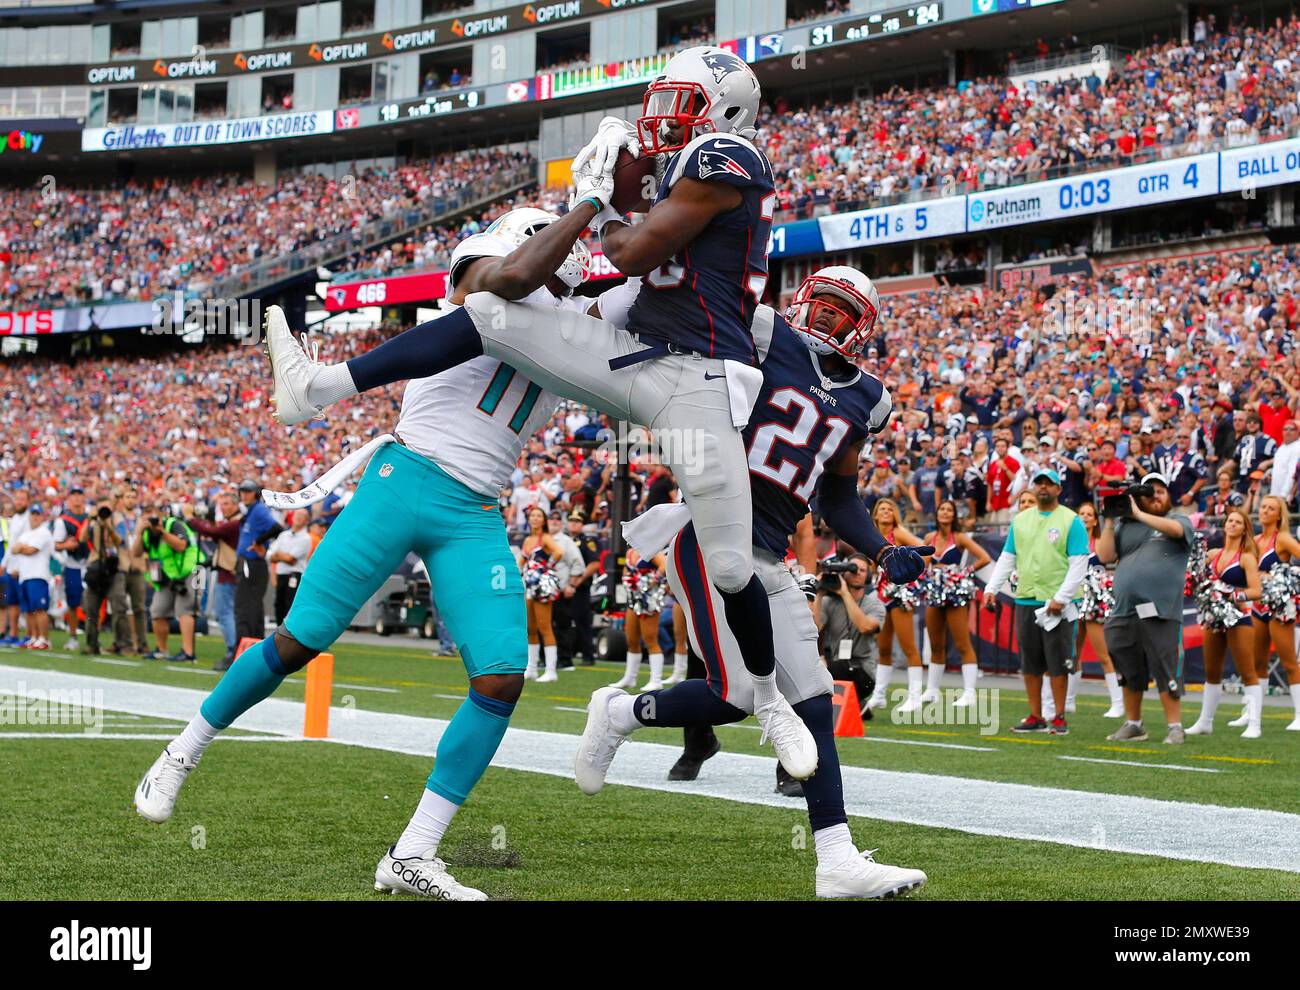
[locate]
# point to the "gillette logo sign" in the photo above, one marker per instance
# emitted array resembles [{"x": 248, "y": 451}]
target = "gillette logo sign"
[{"x": 22, "y": 141}]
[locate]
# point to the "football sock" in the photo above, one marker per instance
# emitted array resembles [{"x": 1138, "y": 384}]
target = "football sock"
[
  {"x": 427, "y": 826},
  {"x": 824, "y": 790},
  {"x": 1213, "y": 694},
  {"x": 552, "y": 654},
  {"x": 656, "y": 666},
  {"x": 194, "y": 739},
  {"x": 970, "y": 672},
  {"x": 253, "y": 677},
  {"x": 765, "y": 689},
  {"x": 750, "y": 621},
  {"x": 534, "y": 651},
  {"x": 682, "y": 704},
  {"x": 834, "y": 844},
  {"x": 331, "y": 384},
  {"x": 424, "y": 350},
  {"x": 468, "y": 745}
]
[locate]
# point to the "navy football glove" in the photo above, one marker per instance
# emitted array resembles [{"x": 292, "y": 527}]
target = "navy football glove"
[{"x": 903, "y": 565}]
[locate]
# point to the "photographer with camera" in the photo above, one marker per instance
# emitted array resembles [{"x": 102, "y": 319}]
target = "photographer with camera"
[
  {"x": 172, "y": 550},
  {"x": 71, "y": 553},
  {"x": 848, "y": 619},
  {"x": 1144, "y": 631},
  {"x": 104, "y": 578},
  {"x": 224, "y": 564}
]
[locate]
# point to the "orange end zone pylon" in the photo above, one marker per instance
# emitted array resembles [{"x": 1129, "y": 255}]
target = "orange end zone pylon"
[
  {"x": 848, "y": 710},
  {"x": 320, "y": 687}
]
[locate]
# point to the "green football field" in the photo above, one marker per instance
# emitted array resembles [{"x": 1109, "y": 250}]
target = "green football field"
[{"x": 270, "y": 816}]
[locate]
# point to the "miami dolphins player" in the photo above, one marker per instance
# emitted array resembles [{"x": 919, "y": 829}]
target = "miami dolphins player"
[
  {"x": 431, "y": 490},
  {"x": 684, "y": 365},
  {"x": 804, "y": 441}
]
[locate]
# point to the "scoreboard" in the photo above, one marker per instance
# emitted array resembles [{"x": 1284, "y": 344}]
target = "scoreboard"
[{"x": 874, "y": 25}]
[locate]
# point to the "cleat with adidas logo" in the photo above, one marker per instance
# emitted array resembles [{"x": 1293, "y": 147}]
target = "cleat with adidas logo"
[
  {"x": 155, "y": 795},
  {"x": 421, "y": 876}
]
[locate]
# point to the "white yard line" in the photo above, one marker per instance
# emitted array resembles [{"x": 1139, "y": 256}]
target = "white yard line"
[
  {"x": 1134, "y": 763},
  {"x": 115, "y": 663},
  {"x": 937, "y": 745},
  {"x": 366, "y": 687},
  {"x": 1144, "y": 826},
  {"x": 138, "y": 735}
]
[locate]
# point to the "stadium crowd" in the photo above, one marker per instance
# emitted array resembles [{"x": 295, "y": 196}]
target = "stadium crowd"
[
  {"x": 1235, "y": 86},
  {"x": 65, "y": 246}
]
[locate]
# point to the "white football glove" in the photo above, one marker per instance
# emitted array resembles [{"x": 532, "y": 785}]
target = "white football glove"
[
  {"x": 599, "y": 185},
  {"x": 601, "y": 152}
]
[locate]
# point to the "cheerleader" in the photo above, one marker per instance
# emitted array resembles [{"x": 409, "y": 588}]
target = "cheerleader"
[
  {"x": 1275, "y": 613},
  {"x": 949, "y": 587},
  {"x": 1235, "y": 567},
  {"x": 901, "y": 602},
  {"x": 1097, "y": 602},
  {"x": 541, "y": 589},
  {"x": 680, "y": 656},
  {"x": 645, "y": 584}
]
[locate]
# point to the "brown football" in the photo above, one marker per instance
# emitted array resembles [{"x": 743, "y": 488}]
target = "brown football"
[{"x": 634, "y": 182}]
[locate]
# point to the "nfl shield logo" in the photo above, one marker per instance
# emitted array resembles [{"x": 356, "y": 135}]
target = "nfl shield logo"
[{"x": 385, "y": 470}]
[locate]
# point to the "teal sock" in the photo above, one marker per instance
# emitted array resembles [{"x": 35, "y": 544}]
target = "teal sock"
[
  {"x": 468, "y": 745},
  {"x": 253, "y": 677}
]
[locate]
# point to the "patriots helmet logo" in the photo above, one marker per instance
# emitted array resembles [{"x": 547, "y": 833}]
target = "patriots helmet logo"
[
  {"x": 713, "y": 162},
  {"x": 722, "y": 64}
]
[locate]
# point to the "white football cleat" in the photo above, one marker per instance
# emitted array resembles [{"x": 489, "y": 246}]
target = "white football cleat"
[
  {"x": 292, "y": 370},
  {"x": 155, "y": 795},
  {"x": 599, "y": 742},
  {"x": 626, "y": 682},
  {"x": 862, "y": 876},
  {"x": 653, "y": 686},
  {"x": 1116, "y": 710},
  {"x": 423, "y": 876},
  {"x": 548, "y": 678},
  {"x": 1252, "y": 731},
  {"x": 912, "y": 704},
  {"x": 1241, "y": 720},
  {"x": 877, "y": 700},
  {"x": 1294, "y": 726},
  {"x": 966, "y": 700},
  {"x": 794, "y": 744},
  {"x": 1199, "y": 728},
  {"x": 929, "y": 697}
]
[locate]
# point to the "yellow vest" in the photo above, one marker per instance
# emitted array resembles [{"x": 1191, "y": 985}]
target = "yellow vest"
[{"x": 1042, "y": 557}]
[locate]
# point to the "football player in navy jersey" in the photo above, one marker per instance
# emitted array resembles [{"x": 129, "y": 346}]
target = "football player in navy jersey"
[
  {"x": 804, "y": 441},
  {"x": 681, "y": 360}
]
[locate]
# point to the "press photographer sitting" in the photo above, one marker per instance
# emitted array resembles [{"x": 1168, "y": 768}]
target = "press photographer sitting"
[
  {"x": 1144, "y": 631},
  {"x": 172, "y": 548},
  {"x": 848, "y": 619}
]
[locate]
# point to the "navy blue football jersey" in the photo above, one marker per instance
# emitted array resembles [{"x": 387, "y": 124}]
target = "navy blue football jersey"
[
  {"x": 801, "y": 422},
  {"x": 704, "y": 298}
]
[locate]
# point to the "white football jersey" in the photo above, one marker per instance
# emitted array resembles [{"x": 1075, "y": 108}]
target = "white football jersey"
[{"x": 473, "y": 420}]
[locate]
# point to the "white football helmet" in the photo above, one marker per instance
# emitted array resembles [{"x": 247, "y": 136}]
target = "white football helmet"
[
  {"x": 702, "y": 90},
  {"x": 828, "y": 328},
  {"x": 517, "y": 225}
]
